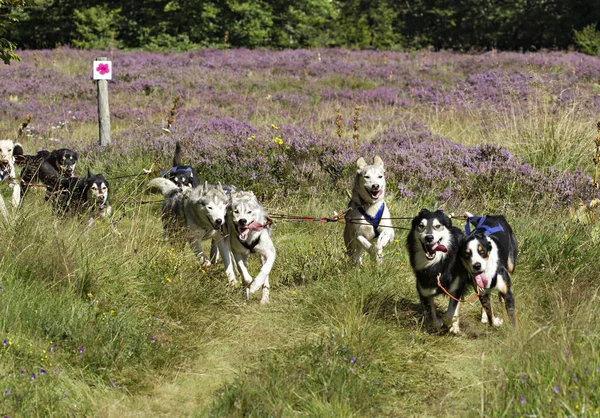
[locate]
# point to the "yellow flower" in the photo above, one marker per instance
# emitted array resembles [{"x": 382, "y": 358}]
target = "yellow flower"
[
  {"x": 278, "y": 140},
  {"x": 89, "y": 295},
  {"x": 274, "y": 126}
]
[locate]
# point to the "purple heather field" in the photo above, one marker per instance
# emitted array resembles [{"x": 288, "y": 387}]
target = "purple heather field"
[{"x": 267, "y": 117}]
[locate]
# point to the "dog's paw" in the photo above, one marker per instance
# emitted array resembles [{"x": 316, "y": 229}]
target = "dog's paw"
[
  {"x": 246, "y": 294},
  {"x": 256, "y": 285},
  {"x": 484, "y": 317},
  {"x": 454, "y": 329},
  {"x": 265, "y": 296},
  {"x": 498, "y": 321}
]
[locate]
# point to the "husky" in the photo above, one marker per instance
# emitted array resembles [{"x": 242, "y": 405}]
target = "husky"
[
  {"x": 200, "y": 212},
  {"x": 368, "y": 224},
  {"x": 47, "y": 167},
  {"x": 489, "y": 255},
  {"x": 7, "y": 171},
  {"x": 433, "y": 246},
  {"x": 82, "y": 195},
  {"x": 249, "y": 233},
  {"x": 184, "y": 176}
]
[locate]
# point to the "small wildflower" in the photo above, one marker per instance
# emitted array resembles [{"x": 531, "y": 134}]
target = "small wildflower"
[
  {"x": 33, "y": 376},
  {"x": 89, "y": 295},
  {"x": 153, "y": 339},
  {"x": 352, "y": 360},
  {"x": 5, "y": 342},
  {"x": 522, "y": 400},
  {"x": 7, "y": 391},
  {"x": 523, "y": 379},
  {"x": 42, "y": 372},
  {"x": 556, "y": 389},
  {"x": 22, "y": 372},
  {"x": 81, "y": 349}
]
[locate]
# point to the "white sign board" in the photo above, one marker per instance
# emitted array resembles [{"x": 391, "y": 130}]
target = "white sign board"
[{"x": 102, "y": 70}]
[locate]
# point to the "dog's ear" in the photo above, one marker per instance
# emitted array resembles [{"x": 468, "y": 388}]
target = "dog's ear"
[
  {"x": 361, "y": 163},
  {"x": 90, "y": 173},
  {"x": 378, "y": 161}
]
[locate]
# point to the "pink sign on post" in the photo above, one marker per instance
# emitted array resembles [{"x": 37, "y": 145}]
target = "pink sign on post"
[{"x": 102, "y": 70}]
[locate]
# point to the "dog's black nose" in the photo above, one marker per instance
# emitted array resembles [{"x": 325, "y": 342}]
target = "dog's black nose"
[
  {"x": 477, "y": 266},
  {"x": 429, "y": 238},
  {"x": 242, "y": 222},
  {"x": 375, "y": 187},
  {"x": 218, "y": 222}
]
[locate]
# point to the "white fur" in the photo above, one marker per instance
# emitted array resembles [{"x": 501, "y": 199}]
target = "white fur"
[
  {"x": 440, "y": 234},
  {"x": 204, "y": 210},
  {"x": 8, "y": 162},
  {"x": 359, "y": 235},
  {"x": 246, "y": 209}
]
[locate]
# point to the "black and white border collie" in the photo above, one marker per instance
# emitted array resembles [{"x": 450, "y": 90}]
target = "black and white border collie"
[
  {"x": 489, "y": 254},
  {"x": 433, "y": 245}
]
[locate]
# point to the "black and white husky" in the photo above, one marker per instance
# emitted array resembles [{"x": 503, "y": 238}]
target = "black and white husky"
[
  {"x": 433, "y": 245},
  {"x": 200, "y": 214},
  {"x": 81, "y": 195},
  {"x": 489, "y": 255},
  {"x": 184, "y": 176},
  {"x": 368, "y": 224},
  {"x": 250, "y": 232}
]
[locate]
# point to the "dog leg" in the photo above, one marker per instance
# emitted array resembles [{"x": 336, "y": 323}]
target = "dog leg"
[
  {"x": 3, "y": 210},
  {"x": 263, "y": 276},
  {"x": 451, "y": 317},
  {"x": 214, "y": 251},
  {"x": 265, "y": 292},
  {"x": 16, "y": 195},
  {"x": 509, "y": 301},
  {"x": 223, "y": 247},
  {"x": 197, "y": 248},
  {"x": 240, "y": 261},
  {"x": 386, "y": 236},
  {"x": 487, "y": 306},
  {"x": 429, "y": 306}
]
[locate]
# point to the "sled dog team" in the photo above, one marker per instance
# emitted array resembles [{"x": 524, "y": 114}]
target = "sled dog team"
[{"x": 445, "y": 260}]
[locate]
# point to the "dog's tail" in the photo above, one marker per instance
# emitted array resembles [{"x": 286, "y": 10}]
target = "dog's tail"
[
  {"x": 177, "y": 156},
  {"x": 165, "y": 186}
]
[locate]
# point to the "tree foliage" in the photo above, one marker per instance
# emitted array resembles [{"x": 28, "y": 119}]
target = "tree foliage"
[{"x": 189, "y": 24}]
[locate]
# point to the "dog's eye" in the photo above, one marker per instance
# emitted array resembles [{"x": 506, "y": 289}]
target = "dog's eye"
[
  {"x": 380, "y": 177},
  {"x": 367, "y": 177},
  {"x": 437, "y": 227},
  {"x": 209, "y": 207},
  {"x": 10, "y": 150},
  {"x": 420, "y": 227}
]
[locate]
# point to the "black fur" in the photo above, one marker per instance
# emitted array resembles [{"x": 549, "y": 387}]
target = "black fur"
[
  {"x": 450, "y": 270},
  {"x": 74, "y": 194},
  {"x": 45, "y": 167},
  {"x": 182, "y": 175},
  {"x": 507, "y": 247}
]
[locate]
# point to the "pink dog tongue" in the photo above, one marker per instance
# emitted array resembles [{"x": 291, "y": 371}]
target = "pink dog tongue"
[
  {"x": 379, "y": 193},
  {"x": 439, "y": 247},
  {"x": 244, "y": 233},
  {"x": 255, "y": 226},
  {"x": 482, "y": 280}
]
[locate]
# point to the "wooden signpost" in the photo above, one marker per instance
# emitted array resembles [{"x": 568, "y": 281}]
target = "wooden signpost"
[{"x": 102, "y": 72}]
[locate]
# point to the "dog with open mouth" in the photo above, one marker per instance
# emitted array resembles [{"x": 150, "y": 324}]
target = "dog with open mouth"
[
  {"x": 250, "y": 233},
  {"x": 46, "y": 167},
  {"x": 198, "y": 213},
  {"x": 83, "y": 195},
  {"x": 7, "y": 172},
  {"x": 433, "y": 245},
  {"x": 489, "y": 254},
  {"x": 368, "y": 224}
]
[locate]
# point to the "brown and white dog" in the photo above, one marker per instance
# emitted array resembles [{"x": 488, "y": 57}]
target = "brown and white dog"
[{"x": 368, "y": 224}]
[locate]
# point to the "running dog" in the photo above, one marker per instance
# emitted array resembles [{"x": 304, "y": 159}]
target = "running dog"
[
  {"x": 368, "y": 224},
  {"x": 184, "y": 176},
  {"x": 47, "y": 167},
  {"x": 489, "y": 255},
  {"x": 7, "y": 171},
  {"x": 433, "y": 245},
  {"x": 200, "y": 212},
  {"x": 249, "y": 233},
  {"x": 82, "y": 195}
]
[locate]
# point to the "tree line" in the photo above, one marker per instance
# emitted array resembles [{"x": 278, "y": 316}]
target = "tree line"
[{"x": 386, "y": 24}]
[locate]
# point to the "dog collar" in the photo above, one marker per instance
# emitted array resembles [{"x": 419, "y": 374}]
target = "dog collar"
[
  {"x": 250, "y": 247},
  {"x": 373, "y": 220},
  {"x": 489, "y": 230},
  {"x": 180, "y": 169}
]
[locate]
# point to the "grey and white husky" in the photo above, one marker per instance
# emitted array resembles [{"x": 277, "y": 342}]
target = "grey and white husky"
[
  {"x": 200, "y": 212},
  {"x": 249, "y": 232},
  {"x": 368, "y": 224}
]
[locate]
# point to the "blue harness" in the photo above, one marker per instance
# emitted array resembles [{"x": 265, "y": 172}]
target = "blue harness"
[
  {"x": 177, "y": 169},
  {"x": 3, "y": 174},
  {"x": 489, "y": 230},
  {"x": 373, "y": 220}
]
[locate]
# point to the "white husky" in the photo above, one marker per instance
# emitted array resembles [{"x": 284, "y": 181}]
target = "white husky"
[
  {"x": 7, "y": 170},
  {"x": 201, "y": 211},
  {"x": 368, "y": 224},
  {"x": 249, "y": 232}
]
